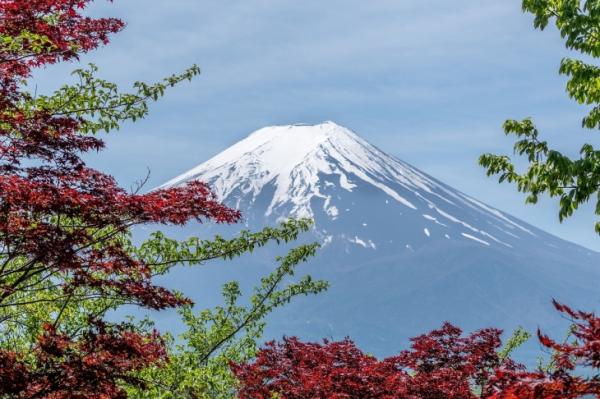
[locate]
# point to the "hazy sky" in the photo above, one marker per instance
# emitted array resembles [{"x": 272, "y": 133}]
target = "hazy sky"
[{"x": 429, "y": 81}]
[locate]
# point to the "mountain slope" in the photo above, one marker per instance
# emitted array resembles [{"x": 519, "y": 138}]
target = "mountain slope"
[{"x": 403, "y": 251}]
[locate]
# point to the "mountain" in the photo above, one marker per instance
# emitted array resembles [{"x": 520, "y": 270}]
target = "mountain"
[{"x": 403, "y": 251}]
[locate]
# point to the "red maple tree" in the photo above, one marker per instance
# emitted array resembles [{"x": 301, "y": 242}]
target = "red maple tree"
[
  {"x": 575, "y": 365},
  {"x": 297, "y": 370},
  {"x": 92, "y": 366},
  {"x": 440, "y": 365},
  {"x": 59, "y": 217}
]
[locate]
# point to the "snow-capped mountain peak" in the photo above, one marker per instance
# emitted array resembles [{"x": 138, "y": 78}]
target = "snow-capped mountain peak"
[
  {"x": 294, "y": 155},
  {"x": 291, "y": 157},
  {"x": 301, "y": 169}
]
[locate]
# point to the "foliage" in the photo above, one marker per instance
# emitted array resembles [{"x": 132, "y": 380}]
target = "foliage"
[
  {"x": 574, "y": 180},
  {"x": 293, "y": 369},
  {"x": 88, "y": 367},
  {"x": 517, "y": 339},
  {"x": 199, "y": 364},
  {"x": 575, "y": 366},
  {"x": 441, "y": 364}
]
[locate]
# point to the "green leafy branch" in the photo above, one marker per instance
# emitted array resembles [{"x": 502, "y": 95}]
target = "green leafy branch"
[{"x": 98, "y": 104}]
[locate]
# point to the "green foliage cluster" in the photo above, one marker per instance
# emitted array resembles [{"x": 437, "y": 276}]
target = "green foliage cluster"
[
  {"x": 200, "y": 359},
  {"x": 98, "y": 104},
  {"x": 35, "y": 43},
  {"x": 573, "y": 180},
  {"x": 519, "y": 337}
]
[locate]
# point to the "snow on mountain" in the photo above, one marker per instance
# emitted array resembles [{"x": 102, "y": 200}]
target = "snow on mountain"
[
  {"x": 302, "y": 163},
  {"x": 292, "y": 157},
  {"x": 403, "y": 251}
]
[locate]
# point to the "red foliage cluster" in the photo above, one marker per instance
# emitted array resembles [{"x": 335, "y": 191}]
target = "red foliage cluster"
[
  {"x": 439, "y": 365},
  {"x": 443, "y": 364},
  {"x": 53, "y": 208},
  {"x": 68, "y": 33},
  {"x": 84, "y": 369},
  {"x": 59, "y": 218},
  {"x": 296, "y": 370},
  {"x": 563, "y": 381}
]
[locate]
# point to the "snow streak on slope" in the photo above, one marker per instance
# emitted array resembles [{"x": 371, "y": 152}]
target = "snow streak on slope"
[{"x": 292, "y": 161}]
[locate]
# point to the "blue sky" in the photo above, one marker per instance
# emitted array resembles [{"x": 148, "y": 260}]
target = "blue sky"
[{"x": 429, "y": 81}]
